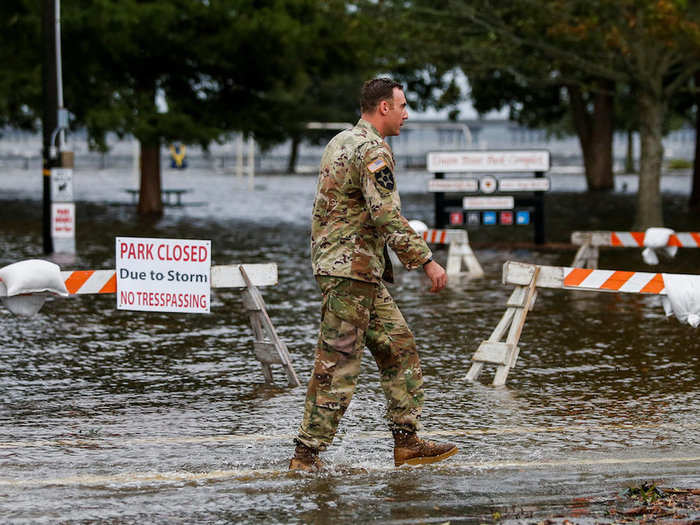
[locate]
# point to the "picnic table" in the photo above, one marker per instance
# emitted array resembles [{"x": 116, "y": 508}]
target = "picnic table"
[{"x": 171, "y": 196}]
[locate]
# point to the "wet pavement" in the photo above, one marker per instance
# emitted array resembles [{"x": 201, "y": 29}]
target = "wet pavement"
[{"x": 133, "y": 417}]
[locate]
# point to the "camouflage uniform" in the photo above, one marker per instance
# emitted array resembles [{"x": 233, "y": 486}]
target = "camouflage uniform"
[{"x": 357, "y": 212}]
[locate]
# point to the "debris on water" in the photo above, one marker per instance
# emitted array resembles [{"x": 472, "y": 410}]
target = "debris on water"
[
  {"x": 651, "y": 503},
  {"x": 646, "y": 492}
]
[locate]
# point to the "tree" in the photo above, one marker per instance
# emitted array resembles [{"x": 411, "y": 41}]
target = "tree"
[
  {"x": 695, "y": 190},
  {"x": 649, "y": 45},
  {"x": 655, "y": 43},
  {"x": 537, "y": 90},
  {"x": 332, "y": 99},
  {"x": 20, "y": 64},
  {"x": 191, "y": 71},
  {"x": 570, "y": 107}
]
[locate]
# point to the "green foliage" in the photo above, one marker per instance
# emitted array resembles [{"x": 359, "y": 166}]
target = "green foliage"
[
  {"x": 183, "y": 70},
  {"x": 20, "y": 64},
  {"x": 646, "y": 492},
  {"x": 679, "y": 164}
]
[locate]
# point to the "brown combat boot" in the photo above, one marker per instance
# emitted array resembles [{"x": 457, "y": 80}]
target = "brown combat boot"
[
  {"x": 305, "y": 458},
  {"x": 411, "y": 450}
]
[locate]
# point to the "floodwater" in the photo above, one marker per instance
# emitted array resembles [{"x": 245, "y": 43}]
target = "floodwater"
[{"x": 131, "y": 417}]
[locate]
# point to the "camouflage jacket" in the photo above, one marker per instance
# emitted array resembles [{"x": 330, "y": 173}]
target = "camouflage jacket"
[{"x": 357, "y": 210}]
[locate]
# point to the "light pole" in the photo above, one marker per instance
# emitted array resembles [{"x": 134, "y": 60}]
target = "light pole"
[{"x": 54, "y": 124}]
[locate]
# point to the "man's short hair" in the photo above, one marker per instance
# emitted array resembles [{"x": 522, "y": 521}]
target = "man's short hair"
[{"x": 376, "y": 90}]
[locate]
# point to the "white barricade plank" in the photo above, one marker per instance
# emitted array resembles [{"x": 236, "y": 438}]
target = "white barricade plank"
[
  {"x": 224, "y": 276},
  {"x": 584, "y": 279},
  {"x": 505, "y": 354},
  {"x": 495, "y": 353},
  {"x": 589, "y": 242},
  {"x": 632, "y": 239},
  {"x": 268, "y": 347},
  {"x": 229, "y": 276},
  {"x": 459, "y": 252},
  {"x": 527, "y": 277}
]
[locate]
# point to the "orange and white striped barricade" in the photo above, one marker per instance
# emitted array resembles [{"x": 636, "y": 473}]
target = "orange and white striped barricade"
[
  {"x": 269, "y": 348},
  {"x": 458, "y": 252},
  {"x": 527, "y": 278},
  {"x": 588, "y": 254}
]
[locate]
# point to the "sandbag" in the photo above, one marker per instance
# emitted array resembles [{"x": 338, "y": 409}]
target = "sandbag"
[
  {"x": 682, "y": 297},
  {"x": 25, "y": 285},
  {"x": 656, "y": 239}
]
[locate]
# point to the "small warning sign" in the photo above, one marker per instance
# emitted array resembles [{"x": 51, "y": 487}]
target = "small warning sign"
[
  {"x": 522, "y": 217},
  {"x": 63, "y": 220},
  {"x": 489, "y": 217},
  {"x": 473, "y": 218},
  {"x": 163, "y": 275},
  {"x": 506, "y": 218},
  {"x": 61, "y": 185}
]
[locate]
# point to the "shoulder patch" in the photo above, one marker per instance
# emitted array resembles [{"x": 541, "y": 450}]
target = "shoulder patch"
[
  {"x": 375, "y": 166},
  {"x": 385, "y": 178}
]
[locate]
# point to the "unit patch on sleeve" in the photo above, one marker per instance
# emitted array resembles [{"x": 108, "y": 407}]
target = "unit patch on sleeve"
[{"x": 385, "y": 178}]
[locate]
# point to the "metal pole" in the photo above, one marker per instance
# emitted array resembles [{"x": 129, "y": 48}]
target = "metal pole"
[
  {"x": 59, "y": 72},
  {"x": 539, "y": 213},
  {"x": 439, "y": 205},
  {"x": 50, "y": 113},
  {"x": 251, "y": 162},
  {"x": 239, "y": 155}
]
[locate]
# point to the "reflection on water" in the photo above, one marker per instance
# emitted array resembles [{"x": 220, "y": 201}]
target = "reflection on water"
[{"x": 146, "y": 417}]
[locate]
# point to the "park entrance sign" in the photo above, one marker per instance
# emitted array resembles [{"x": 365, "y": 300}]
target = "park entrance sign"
[
  {"x": 484, "y": 198},
  {"x": 487, "y": 161},
  {"x": 163, "y": 275}
]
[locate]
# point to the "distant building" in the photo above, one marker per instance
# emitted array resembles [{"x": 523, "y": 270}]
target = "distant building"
[{"x": 23, "y": 150}]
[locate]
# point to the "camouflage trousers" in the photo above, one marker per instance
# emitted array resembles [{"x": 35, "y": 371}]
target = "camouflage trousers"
[{"x": 356, "y": 314}]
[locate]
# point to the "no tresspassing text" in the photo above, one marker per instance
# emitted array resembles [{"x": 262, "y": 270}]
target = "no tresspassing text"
[{"x": 163, "y": 299}]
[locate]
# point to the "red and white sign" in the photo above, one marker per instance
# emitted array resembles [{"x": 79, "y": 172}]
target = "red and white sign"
[
  {"x": 487, "y": 161},
  {"x": 456, "y": 185},
  {"x": 506, "y": 217},
  {"x": 488, "y": 203},
  {"x": 163, "y": 275},
  {"x": 523, "y": 184},
  {"x": 456, "y": 217},
  {"x": 63, "y": 220}
]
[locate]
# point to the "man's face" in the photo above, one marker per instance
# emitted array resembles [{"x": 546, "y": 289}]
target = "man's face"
[{"x": 398, "y": 112}]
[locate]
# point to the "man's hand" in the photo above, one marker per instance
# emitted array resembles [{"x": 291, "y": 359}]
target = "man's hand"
[{"x": 437, "y": 276}]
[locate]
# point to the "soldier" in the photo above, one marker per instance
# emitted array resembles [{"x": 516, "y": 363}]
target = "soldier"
[{"x": 356, "y": 214}]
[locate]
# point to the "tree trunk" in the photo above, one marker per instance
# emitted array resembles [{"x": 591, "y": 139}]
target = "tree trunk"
[
  {"x": 595, "y": 133},
  {"x": 695, "y": 191},
  {"x": 150, "y": 202},
  {"x": 629, "y": 157},
  {"x": 652, "y": 112},
  {"x": 293, "y": 154}
]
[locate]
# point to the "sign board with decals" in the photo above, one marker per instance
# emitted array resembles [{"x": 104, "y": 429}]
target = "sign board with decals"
[{"x": 488, "y": 191}]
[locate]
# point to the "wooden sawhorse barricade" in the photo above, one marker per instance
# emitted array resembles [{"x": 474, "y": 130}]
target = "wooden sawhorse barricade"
[
  {"x": 527, "y": 278},
  {"x": 588, "y": 254},
  {"x": 269, "y": 348},
  {"x": 458, "y": 252}
]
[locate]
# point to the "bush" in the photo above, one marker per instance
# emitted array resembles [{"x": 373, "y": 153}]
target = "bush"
[{"x": 679, "y": 164}]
